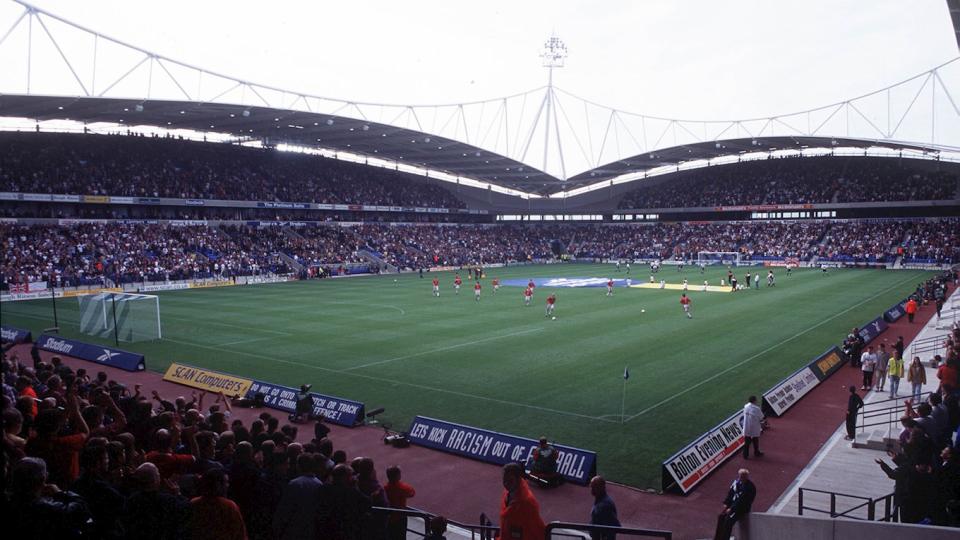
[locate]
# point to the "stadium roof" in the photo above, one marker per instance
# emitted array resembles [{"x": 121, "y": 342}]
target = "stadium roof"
[{"x": 416, "y": 148}]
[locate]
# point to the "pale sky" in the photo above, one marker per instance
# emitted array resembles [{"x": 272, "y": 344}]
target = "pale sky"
[{"x": 686, "y": 59}]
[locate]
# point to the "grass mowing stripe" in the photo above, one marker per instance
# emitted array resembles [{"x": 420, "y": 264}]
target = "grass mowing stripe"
[
  {"x": 396, "y": 382},
  {"x": 765, "y": 351},
  {"x": 442, "y": 349}
]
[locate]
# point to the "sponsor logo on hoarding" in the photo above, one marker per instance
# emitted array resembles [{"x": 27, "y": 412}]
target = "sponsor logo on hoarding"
[{"x": 574, "y": 464}]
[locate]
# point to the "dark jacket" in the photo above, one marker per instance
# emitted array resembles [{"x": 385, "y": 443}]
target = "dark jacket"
[{"x": 740, "y": 497}]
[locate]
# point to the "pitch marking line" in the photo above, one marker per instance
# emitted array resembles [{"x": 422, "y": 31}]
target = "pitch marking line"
[
  {"x": 400, "y": 383},
  {"x": 442, "y": 349},
  {"x": 761, "y": 353}
]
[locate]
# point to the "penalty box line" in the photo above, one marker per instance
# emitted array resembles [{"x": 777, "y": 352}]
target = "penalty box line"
[
  {"x": 402, "y": 383},
  {"x": 761, "y": 353}
]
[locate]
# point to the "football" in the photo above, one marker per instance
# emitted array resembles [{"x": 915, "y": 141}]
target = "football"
[
  {"x": 554, "y": 318},
  {"x": 643, "y": 311}
]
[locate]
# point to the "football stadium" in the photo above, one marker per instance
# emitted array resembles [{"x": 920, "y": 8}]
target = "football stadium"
[{"x": 232, "y": 309}]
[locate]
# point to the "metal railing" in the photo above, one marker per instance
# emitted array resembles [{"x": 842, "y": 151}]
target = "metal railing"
[
  {"x": 485, "y": 530},
  {"x": 871, "y": 505},
  {"x": 870, "y": 416},
  {"x": 556, "y": 529},
  {"x": 931, "y": 344}
]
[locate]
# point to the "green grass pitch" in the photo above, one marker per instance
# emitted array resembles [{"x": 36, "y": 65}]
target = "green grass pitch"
[{"x": 496, "y": 364}]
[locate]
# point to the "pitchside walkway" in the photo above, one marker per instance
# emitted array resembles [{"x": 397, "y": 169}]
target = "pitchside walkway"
[{"x": 841, "y": 468}]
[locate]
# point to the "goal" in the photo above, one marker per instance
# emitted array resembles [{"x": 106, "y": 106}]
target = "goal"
[
  {"x": 126, "y": 316},
  {"x": 718, "y": 257}
]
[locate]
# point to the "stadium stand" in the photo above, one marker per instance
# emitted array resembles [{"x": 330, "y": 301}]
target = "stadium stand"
[{"x": 796, "y": 181}]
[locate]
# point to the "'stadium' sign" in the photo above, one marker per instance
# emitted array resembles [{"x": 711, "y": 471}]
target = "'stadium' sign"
[
  {"x": 205, "y": 379},
  {"x": 688, "y": 467},
  {"x": 336, "y": 410},
  {"x": 11, "y": 334},
  {"x": 107, "y": 356},
  {"x": 574, "y": 464}
]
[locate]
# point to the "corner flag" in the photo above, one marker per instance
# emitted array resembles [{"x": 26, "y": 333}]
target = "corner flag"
[{"x": 626, "y": 373}]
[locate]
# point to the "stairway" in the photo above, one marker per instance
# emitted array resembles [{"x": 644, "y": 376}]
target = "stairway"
[
  {"x": 881, "y": 439},
  {"x": 375, "y": 259}
]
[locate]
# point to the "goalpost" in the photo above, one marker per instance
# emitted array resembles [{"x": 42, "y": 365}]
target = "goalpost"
[
  {"x": 707, "y": 258},
  {"x": 128, "y": 316}
]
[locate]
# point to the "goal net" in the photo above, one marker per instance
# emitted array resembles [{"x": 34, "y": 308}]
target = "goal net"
[
  {"x": 129, "y": 317},
  {"x": 725, "y": 258}
]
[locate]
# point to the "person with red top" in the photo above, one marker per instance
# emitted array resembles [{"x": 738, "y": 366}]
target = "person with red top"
[
  {"x": 911, "y": 309},
  {"x": 519, "y": 511},
  {"x": 527, "y": 296},
  {"x": 551, "y": 304},
  {"x": 398, "y": 492},
  {"x": 476, "y": 291},
  {"x": 947, "y": 373},
  {"x": 496, "y": 285},
  {"x": 456, "y": 284},
  {"x": 609, "y": 287},
  {"x": 214, "y": 516},
  {"x": 25, "y": 388},
  {"x": 531, "y": 285},
  {"x": 685, "y": 303},
  {"x": 436, "y": 287},
  {"x": 60, "y": 452},
  {"x": 163, "y": 457}
]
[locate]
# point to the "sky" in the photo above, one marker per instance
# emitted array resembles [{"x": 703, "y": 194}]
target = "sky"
[
  {"x": 686, "y": 59},
  {"x": 690, "y": 60}
]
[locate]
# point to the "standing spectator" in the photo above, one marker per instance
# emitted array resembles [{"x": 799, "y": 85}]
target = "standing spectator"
[
  {"x": 519, "y": 511},
  {"x": 895, "y": 372},
  {"x": 296, "y": 515},
  {"x": 105, "y": 502},
  {"x": 947, "y": 373},
  {"x": 883, "y": 359},
  {"x": 398, "y": 492},
  {"x": 854, "y": 403},
  {"x": 899, "y": 346},
  {"x": 213, "y": 515},
  {"x": 917, "y": 377},
  {"x": 60, "y": 452},
  {"x": 911, "y": 309},
  {"x": 737, "y": 504},
  {"x": 37, "y": 509},
  {"x": 343, "y": 506},
  {"x": 604, "y": 511},
  {"x": 154, "y": 514},
  {"x": 868, "y": 363},
  {"x": 752, "y": 427}
]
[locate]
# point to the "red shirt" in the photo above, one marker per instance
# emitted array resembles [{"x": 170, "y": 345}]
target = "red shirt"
[
  {"x": 551, "y": 300},
  {"x": 527, "y": 292},
  {"x": 911, "y": 307},
  {"x": 610, "y": 283},
  {"x": 62, "y": 455},
  {"x": 170, "y": 464},
  {"x": 29, "y": 391},
  {"x": 684, "y": 300},
  {"x": 948, "y": 376},
  {"x": 458, "y": 281},
  {"x": 520, "y": 518},
  {"x": 217, "y": 518},
  {"x": 398, "y": 493},
  {"x": 436, "y": 282},
  {"x": 496, "y": 282},
  {"x": 476, "y": 287}
]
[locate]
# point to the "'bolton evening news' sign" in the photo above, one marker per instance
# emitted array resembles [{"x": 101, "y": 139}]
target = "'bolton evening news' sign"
[{"x": 574, "y": 464}]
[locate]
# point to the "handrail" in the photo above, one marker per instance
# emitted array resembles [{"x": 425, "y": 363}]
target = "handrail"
[
  {"x": 869, "y": 503},
  {"x": 482, "y": 531},
  {"x": 586, "y": 527}
]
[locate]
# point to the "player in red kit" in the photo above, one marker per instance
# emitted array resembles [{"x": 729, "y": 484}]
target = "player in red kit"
[
  {"x": 531, "y": 285},
  {"x": 457, "y": 283},
  {"x": 685, "y": 303},
  {"x": 609, "y": 287},
  {"x": 496, "y": 285},
  {"x": 527, "y": 296},
  {"x": 476, "y": 291},
  {"x": 551, "y": 303},
  {"x": 436, "y": 287}
]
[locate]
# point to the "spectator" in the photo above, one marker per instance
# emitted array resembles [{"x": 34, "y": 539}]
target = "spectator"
[
  {"x": 41, "y": 510},
  {"x": 519, "y": 511},
  {"x": 153, "y": 513},
  {"x": 854, "y": 403},
  {"x": 343, "y": 507},
  {"x": 917, "y": 377},
  {"x": 752, "y": 427},
  {"x": 736, "y": 505},
  {"x": 213, "y": 515},
  {"x": 398, "y": 492},
  {"x": 604, "y": 511},
  {"x": 299, "y": 508}
]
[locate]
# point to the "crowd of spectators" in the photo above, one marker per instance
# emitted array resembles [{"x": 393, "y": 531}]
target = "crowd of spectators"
[
  {"x": 88, "y": 457},
  {"x": 165, "y": 167},
  {"x": 796, "y": 181},
  {"x": 93, "y": 253}
]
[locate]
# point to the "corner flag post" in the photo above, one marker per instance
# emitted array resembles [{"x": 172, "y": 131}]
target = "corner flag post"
[{"x": 623, "y": 400}]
